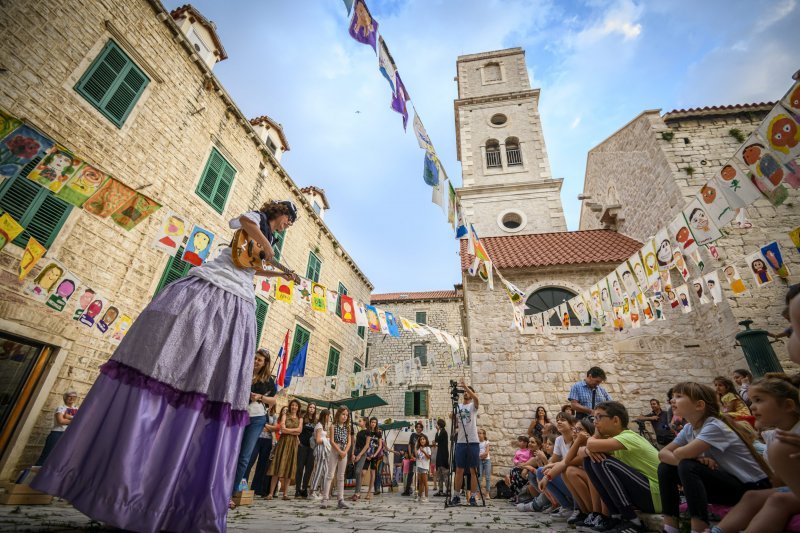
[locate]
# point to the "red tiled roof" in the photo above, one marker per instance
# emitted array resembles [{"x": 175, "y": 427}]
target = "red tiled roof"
[
  {"x": 210, "y": 26},
  {"x": 401, "y": 296},
  {"x": 563, "y": 248},
  {"x": 277, "y": 127},
  {"x": 718, "y": 110}
]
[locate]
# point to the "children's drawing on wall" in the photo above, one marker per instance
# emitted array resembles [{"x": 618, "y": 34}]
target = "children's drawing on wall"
[
  {"x": 171, "y": 232},
  {"x": 682, "y": 293},
  {"x": 716, "y": 204},
  {"x": 93, "y": 311},
  {"x": 108, "y": 198},
  {"x": 57, "y": 167},
  {"x": 663, "y": 251},
  {"x": 198, "y": 246},
  {"x": 703, "y": 229},
  {"x": 65, "y": 289},
  {"x": 672, "y": 298},
  {"x": 372, "y": 319},
  {"x": 736, "y": 186},
  {"x": 734, "y": 280},
  {"x": 615, "y": 289},
  {"x": 86, "y": 297},
  {"x": 19, "y": 147},
  {"x": 681, "y": 236},
  {"x": 348, "y": 310},
  {"x": 86, "y": 181},
  {"x": 772, "y": 253},
  {"x": 629, "y": 285},
  {"x": 647, "y": 311},
  {"x": 579, "y": 309},
  {"x": 382, "y": 321},
  {"x": 635, "y": 262},
  {"x": 700, "y": 290},
  {"x": 658, "y": 307},
  {"x": 30, "y": 256},
  {"x": 391, "y": 324},
  {"x": 634, "y": 315},
  {"x": 680, "y": 264},
  {"x": 318, "y": 298},
  {"x": 766, "y": 170},
  {"x": 43, "y": 284},
  {"x": 664, "y": 282},
  {"x": 757, "y": 265},
  {"x": 134, "y": 211},
  {"x": 303, "y": 290},
  {"x": 121, "y": 327},
  {"x": 10, "y": 229},
  {"x": 108, "y": 318},
  {"x": 8, "y": 123},
  {"x": 794, "y": 235},
  {"x": 650, "y": 262},
  {"x": 713, "y": 288},
  {"x": 782, "y": 133}
]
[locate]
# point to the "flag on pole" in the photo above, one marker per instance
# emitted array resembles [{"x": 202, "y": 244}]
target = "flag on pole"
[
  {"x": 363, "y": 28},
  {"x": 480, "y": 251},
  {"x": 430, "y": 172},
  {"x": 400, "y": 98},
  {"x": 386, "y": 63},
  {"x": 423, "y": 139},
  {"x": 297, "y": 366},
  {"x": 283, "y": 362}
]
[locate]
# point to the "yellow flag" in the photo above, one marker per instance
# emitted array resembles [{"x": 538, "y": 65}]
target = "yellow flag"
[
  {"x": 9, "y": 229},
  {"x": 33, "y": 252}
]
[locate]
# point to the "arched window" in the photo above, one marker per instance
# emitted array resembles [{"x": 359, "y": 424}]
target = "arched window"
[
  {"x": 492, "y": 72},
  {"x": 513, "y": 153},
  {"x": 493, "y": 154},
  {"x": 549, "y": 298}
]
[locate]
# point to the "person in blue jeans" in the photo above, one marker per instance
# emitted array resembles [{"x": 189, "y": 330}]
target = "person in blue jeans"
[
  {"x": 467, "y": 456},
  {"x": 554, "y": 484},
  {"x": 486, "y": 461},
  {"x": 259, "y": 391}
]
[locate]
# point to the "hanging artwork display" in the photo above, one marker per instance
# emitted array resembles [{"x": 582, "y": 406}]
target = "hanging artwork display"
[
  {"x": 681, "y": 236},
  {"x": 86, "y": 297},
  {"x": 700, "y": 223},
  {"x": 716, "y": 204},
  {"x": 109, "y": 316},
  {"x": 332, "y": 301},
  {"x": 318, "y": 297},
  {"x": 794, "y": 235},
  {"x": 682, "y": 295},
  {"x": 30, "y": 256},
  {"x": 373, "y": 322},
  {"x": 579, "y": 309},
  {"x": 772, "y": 253},
  {"x": 8, "y": 123},
  {"x": 134, "y": 211},
  {"x": 284, "y": 290},
  {"x": 736, "y": 185},
  {"x": 615, "y": 289},
  {"x": 625, "y": 273},
  {"x": 782, "y": 133},
  {"x": 45, "y": 282},
  {"x": 19, "y": 147},
  {"x": 361, "y": 316},
  {"x": 363, "y": 28},
  {"x": 680, "y": 264},
  {"x": 86, "y": 181},
  {"x": 121, "y": 327},
  {"x": 734, "y": 280},
  {"x": 757, "y": 264},
  {"x": 94, "y": 311},
  {"x": 766, "y": 170},
  {"x": 713, "y": 288},
  {"x": 171, "y": 232},
  {"x": 699, "y": 288},
  {"x": 108, "y": 198},
  {"x": 198, "y": 246},
  {"x": 382, "y": 321},
  {"x": 57, "y": 167},
  {"x": 391, "y": 324},
  {"x": 65, "y": 289},
  {"x": 348, "y": 310},
  {"x": 303, "y": 290},
  {"x": 663, "y": 251},
  {"x": 9, "y": 229}
]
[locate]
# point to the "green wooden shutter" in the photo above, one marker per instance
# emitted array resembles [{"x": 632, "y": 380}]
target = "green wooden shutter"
[
  {"x": 113, "y": 84},
  {"x": 280, "y": 236},
  {"x": 361, "y": 331},
  {"x": 333, "y": 362},
  {"x": 314, "y": 267},
  {"x": 262, "y": 308},
  {"x": 176, "y": 269},
  {"x": 342, "y": 291},
  {"x": 421, "y": 317},
  {"x": 421, "y": 351},
  {"x": 216, "y": 181},
  {"x": 423, "y": 403},
  {"x": 36, "y": 209},
  {"x": 409, "y": 404},
  {"x": 301, "y": 336}
]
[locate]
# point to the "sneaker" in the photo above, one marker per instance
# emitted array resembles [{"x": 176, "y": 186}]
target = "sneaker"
[
  {"x": 563, "y": 513},
  {"x": 316, "y": 496},
  {"x": 525, "y": 507},
  {"x": 342, "y": 505},
  {"x": 577, "y": 518},
  {"x": 605, "y": 523},
  {"x": 552, "y": 510},
  {"x": 626, "y": 526},
  {"x": 424, "y": 499},
  {"x": 416, "y": 497},
  {"x": 324, "y": 505},
  {"x": 456, "y": 500},
  {"x": 589, "y": 522},
  {"x": 472, "y": 502}
]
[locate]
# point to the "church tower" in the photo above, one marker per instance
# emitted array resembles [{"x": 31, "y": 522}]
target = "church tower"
[{"x": 507, "y": 186}]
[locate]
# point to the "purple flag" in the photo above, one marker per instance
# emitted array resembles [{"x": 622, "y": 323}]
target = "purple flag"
[
  {"x": 363, "y": 28},
  {"x": 400, "y": 98}
]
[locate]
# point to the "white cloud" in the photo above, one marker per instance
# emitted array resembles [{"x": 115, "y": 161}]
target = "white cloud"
[
  {"x": 575, "y": 122},
  {"x": 774, "y": 14}
]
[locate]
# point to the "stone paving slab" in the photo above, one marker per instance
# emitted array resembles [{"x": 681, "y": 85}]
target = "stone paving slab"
[{"x": 389, "y": 513}]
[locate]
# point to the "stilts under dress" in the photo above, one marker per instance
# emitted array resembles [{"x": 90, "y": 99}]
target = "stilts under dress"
[{"x": 155, "y": 444}]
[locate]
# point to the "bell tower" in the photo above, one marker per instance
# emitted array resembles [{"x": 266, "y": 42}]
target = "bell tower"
[{"x": 508, "y": 189}]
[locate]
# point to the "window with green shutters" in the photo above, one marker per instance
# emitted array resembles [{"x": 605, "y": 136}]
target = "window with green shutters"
[
  {"x": 278, "y": 246},
  {"x": 333, "y": 362},
  {"x": 314, "y": 267},
  {"x": 421, "y": 317},
  {"x": 342, "y": 291},
  {"x": 113, "y": 84},
  {"x": 262, "y": 308},
  {"x": 416, "y": 403},
  {"x": 176, "y": 269},
  {"x": 421, "y": 351},
  {"x": 35, "y": 208},
  {"x": 361, "y": 331},
  {"x": 301, "y": 336},
  {"x": 216, "y": 181}
]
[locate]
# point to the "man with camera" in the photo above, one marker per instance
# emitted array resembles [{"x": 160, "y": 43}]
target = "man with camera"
[
  {"x": 467, "y": 450},
  {"x": 660, "y": 421}
]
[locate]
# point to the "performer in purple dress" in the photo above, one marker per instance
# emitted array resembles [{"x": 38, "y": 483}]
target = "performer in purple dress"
[{"x": 155, "y": 444}]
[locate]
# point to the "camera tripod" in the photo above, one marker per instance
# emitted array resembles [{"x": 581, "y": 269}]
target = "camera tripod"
[{"x": 454, "y": 432}]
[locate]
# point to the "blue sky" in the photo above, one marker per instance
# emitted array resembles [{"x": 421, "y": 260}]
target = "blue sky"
[{"x": 598, "y": 64}]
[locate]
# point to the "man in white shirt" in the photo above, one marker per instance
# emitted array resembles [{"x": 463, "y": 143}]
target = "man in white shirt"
[{"x": 467, "y": 454}]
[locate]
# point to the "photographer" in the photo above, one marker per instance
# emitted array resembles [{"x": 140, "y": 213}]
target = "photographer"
[
  {"x": 467, "y": 452},
  {"x": 660, "y": 421}
]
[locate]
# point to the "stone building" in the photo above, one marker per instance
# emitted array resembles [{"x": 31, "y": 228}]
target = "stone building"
[
  {"x": 430, "y": 397},
  {"x": 158, "y": 137}
]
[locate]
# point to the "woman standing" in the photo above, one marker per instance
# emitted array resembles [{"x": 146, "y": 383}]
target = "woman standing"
[
  {"x": 442, "y": 458},
  {"x": 321, "y": 450},
  {"x": 284, "y": 463},
  {"x": 262, "y": 452},
  {"x": 61, "y": 419},
  {"x": 178, "y": 372},
  {"x": 337, "y": 458},
  {"x": 374, "y": 453},
  {"x": 258, "y": 415},
  {"x": 485, "y": 471},
  {"x": 305, "y": 452}
]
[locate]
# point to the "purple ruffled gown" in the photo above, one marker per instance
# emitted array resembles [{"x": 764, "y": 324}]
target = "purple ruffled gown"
[{"x": 155, "y": 444}]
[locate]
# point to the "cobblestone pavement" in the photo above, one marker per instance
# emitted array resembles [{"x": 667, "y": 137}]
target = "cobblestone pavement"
[{"x": 389, "y": 512}]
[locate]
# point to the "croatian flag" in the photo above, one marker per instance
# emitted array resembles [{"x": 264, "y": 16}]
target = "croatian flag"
[{"x": 283, "y": 362}]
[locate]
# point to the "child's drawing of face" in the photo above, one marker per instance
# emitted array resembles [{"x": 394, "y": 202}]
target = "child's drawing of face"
[
  {"x": 758, "y": 265},
  {"x": 65, "y": 288},
  {"x": 650, "y": 260},
  {"x": 699, "y": 220},
  {"x": 86, "y": 298},
  {"x": 318, "y": 291},
  {"x": 729, "y": 272},
  {"x": 200, "y": 242},
  {"x": 175, "y": 226},
  {"x": 94, "y": 308},
  {"x": 709, "y": 194},
  {"x": 347, "y": 307},
  {"x": 727, "y": 173},
  {"x": 664, "y": 252},
  {"x": 639, "y": 271},
  {"x": 683, "y": 235},
  {"x": 60, "y": 162},
  {"x": 110, "y": 316}
]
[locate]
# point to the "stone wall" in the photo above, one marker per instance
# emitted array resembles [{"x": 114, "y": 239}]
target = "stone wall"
[
  {"x": 473, "y": 82},
  {"x": 646, "y": 174},
  {"x": 444, "y": 314},
  {"x": 162, "y": 148}
]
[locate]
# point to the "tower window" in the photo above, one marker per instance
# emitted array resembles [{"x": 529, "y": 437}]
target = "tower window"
[
  {"x": 492, "y": 72},
  {"x": 512, "y": 221},
  {"x": 493, "y": 154},
  {"x": 513, "y": 153},
  {"x": 498, "y": 119},
  {"x": 548, "y": 298}
]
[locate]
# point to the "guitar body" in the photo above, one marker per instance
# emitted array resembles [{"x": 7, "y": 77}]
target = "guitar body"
[{"x": 247, "y": 253}]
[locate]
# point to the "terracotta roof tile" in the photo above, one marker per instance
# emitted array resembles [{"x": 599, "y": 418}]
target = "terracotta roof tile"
[
  {"x": 718, "y": 110},
  {"x": 411, "y": 296},
  {"x": 277, "y": 127},
  {"x": 547, "y": 249},
  {"x": 314, "y": 189}
]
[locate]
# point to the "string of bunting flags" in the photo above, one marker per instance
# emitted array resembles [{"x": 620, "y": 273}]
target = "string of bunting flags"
[{"x": 765, "y": 165}]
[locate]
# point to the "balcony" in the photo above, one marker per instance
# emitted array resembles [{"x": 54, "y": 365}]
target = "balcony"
[
  {"x": 493, "y": 160},
  {"x": 514, "y": 157}
]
